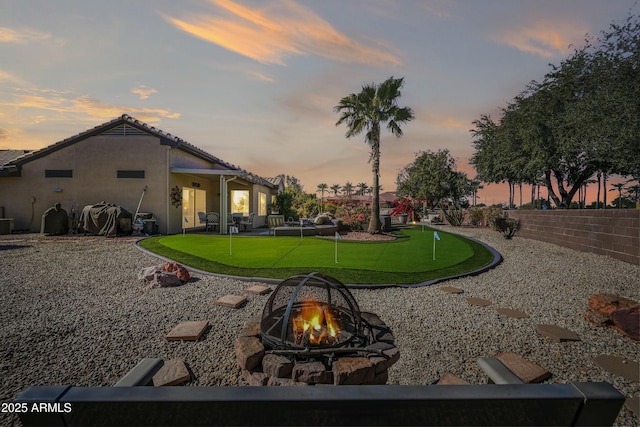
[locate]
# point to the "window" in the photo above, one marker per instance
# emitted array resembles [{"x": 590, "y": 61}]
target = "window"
[
  {"x": 262, "y": 204},
  {"x": 194, "y": 201},
  {"x": 58, "y": 173},
  {"x": 240, "y": 202},
  {"x": 130, "y": 174}
]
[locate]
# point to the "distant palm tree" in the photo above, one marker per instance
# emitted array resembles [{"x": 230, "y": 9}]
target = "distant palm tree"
[
  {"x": 336, "y": 189},
  {"x": 618, "y": 187},
  {"x": 362, "y": 188},
  {"x": 347, "y": 189},
  {"x": 366, "y": 111},
  {"x": 322, "y": 188}
]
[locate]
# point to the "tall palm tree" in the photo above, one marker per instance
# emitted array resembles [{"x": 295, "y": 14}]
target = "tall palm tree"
[
  {"x": 322, "y": 188},
  {"x": 362, "y": 188},
  {"x": 366, "y": 111},
  {"x": 336, "y": 188}
]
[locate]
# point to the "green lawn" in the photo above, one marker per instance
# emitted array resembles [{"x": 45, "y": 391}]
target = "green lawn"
[{"x": 406, "y": 260}]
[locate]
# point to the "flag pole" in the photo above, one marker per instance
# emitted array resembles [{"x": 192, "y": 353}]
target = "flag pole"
[{"x": 434, "y": 246}]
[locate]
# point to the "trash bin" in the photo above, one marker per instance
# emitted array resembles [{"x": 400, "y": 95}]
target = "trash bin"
[
  {"x": 386, "y": 222},
  {"x": 149, "y": 226}
]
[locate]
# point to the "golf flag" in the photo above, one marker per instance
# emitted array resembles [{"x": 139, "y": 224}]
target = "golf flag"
[
  {"x": 338, "y": 237},
  {"x": 436, "y": 236}
]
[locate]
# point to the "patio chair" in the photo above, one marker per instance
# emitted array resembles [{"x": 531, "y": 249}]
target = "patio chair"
[
  {"x": 247, "y": 222},
  {"x": 202, "y": 217},
  {"x": 213, "y": 220}
]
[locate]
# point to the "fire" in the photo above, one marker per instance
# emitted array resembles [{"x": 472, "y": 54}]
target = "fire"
[{"x": 315, "y": 325}]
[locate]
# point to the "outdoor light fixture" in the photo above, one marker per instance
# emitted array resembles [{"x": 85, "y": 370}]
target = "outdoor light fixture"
[{"x": 57, "y": 190}]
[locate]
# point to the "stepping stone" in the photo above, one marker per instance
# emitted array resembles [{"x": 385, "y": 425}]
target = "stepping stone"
[
  {"x": 258, "y": 290},
  {"x": 557, "y": 333},
  {"x": 633, "y": 405},
  {"x": 188, "y": 331},
  {"x": 450, "y": 379},
  {"x": 516, "y": 314},
  {"x": 173, "y": 372},
  {"x": 527, "y": 371},
  {"x": 478, "y": 301},
  {"x": 619, "y": 366},
  {"x": 233, "y": 301},
  {"x": 451, "y": 290}
]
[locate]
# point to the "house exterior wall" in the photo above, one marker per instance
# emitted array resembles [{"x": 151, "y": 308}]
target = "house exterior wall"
[{"x": 94, "y": 163}]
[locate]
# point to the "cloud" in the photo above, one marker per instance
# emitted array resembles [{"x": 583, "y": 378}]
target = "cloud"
[
  {"x": 281, "y": 29},
  {"x": 23, "y": 36},
  {"x": 143, "y": 91},
  {"x": 67, "y": 102},
  {"x": 543, "y": 38}
]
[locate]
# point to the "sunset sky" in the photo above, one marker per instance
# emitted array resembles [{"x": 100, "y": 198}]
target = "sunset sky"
[{"x": 255, "y": 82}]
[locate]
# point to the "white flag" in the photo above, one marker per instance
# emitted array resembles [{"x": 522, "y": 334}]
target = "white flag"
[
  {"x": 436, "y": 235},
  {"x": 338, "y": 236}
]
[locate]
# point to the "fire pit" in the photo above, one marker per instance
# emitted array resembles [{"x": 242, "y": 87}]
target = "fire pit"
[
  {"x": 311, "y": 311},
  {"x": 312, "y": 332}
]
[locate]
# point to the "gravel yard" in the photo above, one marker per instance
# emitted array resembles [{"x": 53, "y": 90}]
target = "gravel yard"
[{"x": 73, "y": 312}]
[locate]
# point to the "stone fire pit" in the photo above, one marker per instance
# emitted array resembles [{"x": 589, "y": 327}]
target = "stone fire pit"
[{"x": 313, "y": 332}]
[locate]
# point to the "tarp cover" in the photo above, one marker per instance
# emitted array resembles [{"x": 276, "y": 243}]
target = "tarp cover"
[
  {"x": 55, "y": 221},
  {"x": 103, "y": 218}
]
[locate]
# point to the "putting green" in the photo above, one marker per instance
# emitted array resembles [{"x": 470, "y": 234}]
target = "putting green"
[{"x": 407, "y": 260}]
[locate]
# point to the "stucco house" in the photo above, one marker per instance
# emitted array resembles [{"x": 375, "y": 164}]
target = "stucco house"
[{"x": 115, "y": 162}]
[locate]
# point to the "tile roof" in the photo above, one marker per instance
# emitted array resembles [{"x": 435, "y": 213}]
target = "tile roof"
[
  {"x": 7, "y": 156},
  {"x": 165, "y": 138}
]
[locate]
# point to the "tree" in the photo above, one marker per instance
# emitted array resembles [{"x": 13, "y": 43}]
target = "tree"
[
  {"x": 582, "y": 119},
  {"x": 322, "y": 188},
  {"x": 347, "y": 189},
  {"x": 362, "y": 188},
  {"x": 335, "y": 188},
  {"x": 432, "y": 177},
  {"x": 366, "y": 111}
]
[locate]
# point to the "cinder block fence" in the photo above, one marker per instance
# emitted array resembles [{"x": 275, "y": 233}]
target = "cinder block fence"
[{"x": 612, "y": 232}]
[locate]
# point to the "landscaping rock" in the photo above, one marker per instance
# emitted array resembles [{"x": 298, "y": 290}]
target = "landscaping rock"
[
  {"x": 627, "y": 321},
  {"x": 604, "y": 309},
  {"x": 277, "y": 366},
  {"x": 311, "y": 373},
  {"x": 178, "y": 270},
  {"x": 449, "y": 379},
  {"x": 619, "y": 366},
  {"x": 527, "y": 371},
  {"x": 353, "y": 371},
  {"x": 163, "y": 279},
  {"x": 249, "y": 352},
  {"x": 188, "y": 331}
]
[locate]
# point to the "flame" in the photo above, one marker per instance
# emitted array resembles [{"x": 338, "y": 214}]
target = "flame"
[{"x": 315, "y": 324}]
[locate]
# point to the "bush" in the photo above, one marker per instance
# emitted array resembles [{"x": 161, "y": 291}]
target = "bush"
[
  {"x": 355, "y": 218},
  {"x": 476, "y": 215},
  {"x": 507, "y": 226},
  {"x": 491, "y": 214},
  {"x": 454, "y": 216}
]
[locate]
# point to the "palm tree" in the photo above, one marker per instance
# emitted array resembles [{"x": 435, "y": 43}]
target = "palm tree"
[
  {"x": 336, "y": 188},
  {"x": 618, "y": 187},
  {"x": 366, "y": 111},
  {"x": 347, "y": 189},
  {"x": 362, "y": 188},
  {"x": 322, "y": 188}
]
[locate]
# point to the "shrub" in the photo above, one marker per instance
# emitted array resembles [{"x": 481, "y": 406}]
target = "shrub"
[
  {"x": 507, "y": 226},
  {"x": 491, "y": 214},
  {"x": 476, "y": 215},
  {"x": 355, "y": 218},
  {"x": 454, "y": 216}
]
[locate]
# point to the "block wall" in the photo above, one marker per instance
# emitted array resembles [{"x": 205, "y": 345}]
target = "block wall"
[{"x": 612, "y": 232}]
